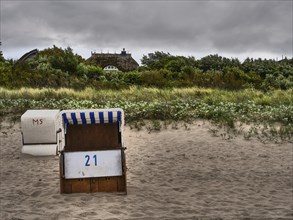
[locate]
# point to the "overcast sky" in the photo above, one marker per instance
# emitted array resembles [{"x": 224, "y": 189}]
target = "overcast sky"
[{"x": 189, "y": 27}]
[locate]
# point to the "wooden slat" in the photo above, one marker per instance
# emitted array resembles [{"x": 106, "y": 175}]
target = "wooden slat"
[
  {"x": 92, "y": 137},
  {"x": 81, "y": 186},
  {"x": 76, "y": 185},
  {"x": 107, "y": 184}
]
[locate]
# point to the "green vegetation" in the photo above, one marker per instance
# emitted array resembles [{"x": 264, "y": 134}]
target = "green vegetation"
[
  {"x": 273, "y": 110},
  {"x": 56, "y": 67},
  {"x": 165, "y": 88}
]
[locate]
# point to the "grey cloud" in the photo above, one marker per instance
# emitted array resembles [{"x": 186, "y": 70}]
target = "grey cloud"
[
  {"x": 261, "y": 26},
  {"x": 189, "y": 26}
]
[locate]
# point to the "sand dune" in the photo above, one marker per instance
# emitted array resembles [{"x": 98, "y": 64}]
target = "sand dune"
[{"x": 172, "y": 174}]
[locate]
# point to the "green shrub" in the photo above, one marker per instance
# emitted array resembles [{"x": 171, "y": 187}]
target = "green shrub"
[{"x": 132, "y": 78}]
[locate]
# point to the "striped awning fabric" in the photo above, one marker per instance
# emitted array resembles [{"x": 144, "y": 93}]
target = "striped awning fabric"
[{"x": 92, "y": 116}]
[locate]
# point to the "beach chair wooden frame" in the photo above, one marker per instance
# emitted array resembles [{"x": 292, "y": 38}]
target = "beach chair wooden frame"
[{"x": 93, "y": 132}]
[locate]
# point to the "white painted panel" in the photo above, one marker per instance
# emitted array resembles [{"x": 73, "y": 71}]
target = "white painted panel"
[
  {"x": 83, "y": 164},
  {"x": 40, "y": 149},
  {"x": 40, "y": 126}
]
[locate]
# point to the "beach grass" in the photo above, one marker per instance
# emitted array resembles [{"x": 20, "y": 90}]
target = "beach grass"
[{"x": 274, "y": 109}]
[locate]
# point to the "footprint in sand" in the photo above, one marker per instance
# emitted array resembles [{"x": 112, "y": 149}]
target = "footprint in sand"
[
  {"x": 86, "y": 198},
  {"x": 36, "y": 193},
  {"x": 87, "y": 214},
  {"x": 57, "y": 197},
  {"x": 19, "y": 192}
]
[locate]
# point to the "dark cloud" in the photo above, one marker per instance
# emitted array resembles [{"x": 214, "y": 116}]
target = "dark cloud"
[{"x": 237, "y": 28}]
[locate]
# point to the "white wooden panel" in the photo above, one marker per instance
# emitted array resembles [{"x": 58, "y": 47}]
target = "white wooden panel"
[
  {"x": 40, "y": 149},
  {"x": 40, "y": 126},
  {"x": 83, "y": 164}
]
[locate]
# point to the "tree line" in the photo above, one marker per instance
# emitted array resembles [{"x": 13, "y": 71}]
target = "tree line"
[{"x": 60, "y": 67}]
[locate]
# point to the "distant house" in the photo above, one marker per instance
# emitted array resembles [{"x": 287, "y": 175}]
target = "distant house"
[
  {"x": 112, "y": 61},
  {"x": 29, "y": 55}
]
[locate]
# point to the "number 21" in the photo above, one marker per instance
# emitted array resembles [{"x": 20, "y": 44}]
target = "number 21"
[{"x": 87, "y": 162}]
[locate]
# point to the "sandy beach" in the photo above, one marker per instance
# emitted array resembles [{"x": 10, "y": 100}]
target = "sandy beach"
[{"x": 184, "y": 173}]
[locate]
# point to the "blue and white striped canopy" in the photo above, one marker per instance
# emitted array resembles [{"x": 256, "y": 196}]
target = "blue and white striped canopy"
[{"x": 92, "y": 116}]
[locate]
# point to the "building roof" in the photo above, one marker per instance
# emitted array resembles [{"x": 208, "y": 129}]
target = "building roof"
[
  {"x": 123, "y": 61},
  {"x": 29, "y": 55}
]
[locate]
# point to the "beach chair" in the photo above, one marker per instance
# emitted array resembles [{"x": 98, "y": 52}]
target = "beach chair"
[
  {"x": 92, "y": 158},
  {"x": 40, "y": 130}
]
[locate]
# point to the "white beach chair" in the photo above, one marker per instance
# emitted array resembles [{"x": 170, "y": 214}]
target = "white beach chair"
[{"x": 40, "y": 129}]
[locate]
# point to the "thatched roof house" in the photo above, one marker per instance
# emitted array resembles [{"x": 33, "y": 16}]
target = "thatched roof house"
[{"x": 110, "y": 61}]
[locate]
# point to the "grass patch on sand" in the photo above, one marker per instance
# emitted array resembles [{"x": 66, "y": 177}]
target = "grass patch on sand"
[{"x": 272, "y": 110}]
